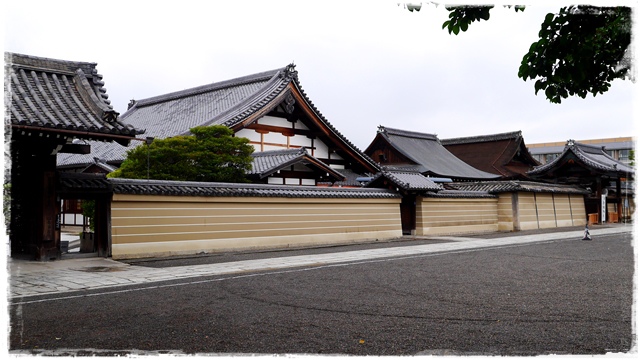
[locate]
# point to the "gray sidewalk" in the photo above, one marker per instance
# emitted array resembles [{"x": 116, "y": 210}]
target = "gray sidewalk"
[{"x": 27, "y": 278}]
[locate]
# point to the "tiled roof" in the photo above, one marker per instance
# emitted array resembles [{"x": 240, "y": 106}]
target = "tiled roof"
[
  {"x": 496, "y": 187},
  {"x": 184, "y": 188},
  {"x": 427, "y": 151},
  {"x": 504, "y": 154},
  {"x": 112, "y": 153},
  {"x": 226, "y": 103},
  {"x": 459, "y": 194},
  {"x": 61, "y": 96},
  {"x": 78, "y": 182},
  {"x": 351, "y": 179},
  {"x": 409, "y": 181},
  {"x": 268, "y": 162},
  {"x": 514, "y": 135},
  {"x": 592, "y": 156}
]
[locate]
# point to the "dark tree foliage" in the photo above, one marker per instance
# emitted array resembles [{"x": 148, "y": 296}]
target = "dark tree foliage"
[
  {"x": 211, "y": 154},
  {"x": 581, "y": 49}
]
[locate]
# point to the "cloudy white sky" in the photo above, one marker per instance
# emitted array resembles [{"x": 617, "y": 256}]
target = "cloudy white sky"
[{"x": 362, "y": 63}]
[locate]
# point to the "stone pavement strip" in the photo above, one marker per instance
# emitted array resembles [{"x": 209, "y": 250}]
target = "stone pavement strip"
[{"x": 28, "y": 278}]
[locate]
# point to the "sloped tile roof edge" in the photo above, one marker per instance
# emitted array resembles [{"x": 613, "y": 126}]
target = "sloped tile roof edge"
[
  {"x": 335, "y": 131},
  {"x": 187, "y": 188},
  {"x": 581, "y": 151},
  {"x": 496, "y": 187},
  {"x": 208, "y": 87},
  {"x": 387, "y": 135},
  {"x": 406, "y": 180},
  {"x": 279, "y": 79},
  {"x": 460, "y": 194},
  {"x": 289, "y": 157},
  {"x": 482, "y": 138},
  {"x": 407, "y": 133},
  {"x": 95, "y": 115}
]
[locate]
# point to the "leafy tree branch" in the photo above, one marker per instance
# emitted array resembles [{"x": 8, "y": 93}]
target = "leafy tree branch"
[{"x": 580, "y": 50}]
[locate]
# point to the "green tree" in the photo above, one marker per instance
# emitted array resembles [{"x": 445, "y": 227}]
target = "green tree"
[
  {"x": 581, "y": 49},
  {"x": 212, "y": 153}
]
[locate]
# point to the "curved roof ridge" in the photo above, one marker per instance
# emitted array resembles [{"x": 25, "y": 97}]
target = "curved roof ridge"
[
  {"x": 49, "y": 64},
  {"x": 483, "y": 138},
  {"x": 584, "y": 152},
  {"x": 262, "y": 76},
  {"x": 407, "y": 133},
  {"x": 62, "y": 96},
  {"x": 272, "y": 88},
  {"x": 280, "y": 152}
]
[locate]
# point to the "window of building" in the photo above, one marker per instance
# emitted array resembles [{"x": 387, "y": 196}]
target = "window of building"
[{"x": 623, "y": 155}]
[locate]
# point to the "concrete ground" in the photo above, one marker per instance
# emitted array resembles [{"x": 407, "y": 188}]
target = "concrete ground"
[{"x": 30, "y": 278}]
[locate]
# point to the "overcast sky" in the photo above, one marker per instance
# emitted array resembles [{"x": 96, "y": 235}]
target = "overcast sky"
[{"x": 362, "y": 63}]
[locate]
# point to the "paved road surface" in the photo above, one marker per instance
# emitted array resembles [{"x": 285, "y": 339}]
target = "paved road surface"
[{"x": 559, "y": 296}]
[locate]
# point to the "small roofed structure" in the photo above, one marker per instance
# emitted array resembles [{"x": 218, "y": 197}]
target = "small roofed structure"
[
  {"x": 505, "y": 154},
  {"x": 410, "y": 185},
  {"x": 290, "y": 167},
  {"x": 50, "y": 103},
  {"x": 590, "y": 167},
  {"x": 422, "y": 153}
]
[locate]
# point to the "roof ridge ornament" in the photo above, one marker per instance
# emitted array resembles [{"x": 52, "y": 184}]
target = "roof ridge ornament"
[
  {"x": 289, "y": 72},
  {"x": 571, "y": 142}
]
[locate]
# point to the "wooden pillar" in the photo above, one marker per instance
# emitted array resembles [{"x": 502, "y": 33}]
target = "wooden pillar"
[
  {"x": 35, "y": 225},
  {"x": 48, "y": 243}
]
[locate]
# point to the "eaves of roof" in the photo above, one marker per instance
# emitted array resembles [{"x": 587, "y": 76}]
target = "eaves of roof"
[
  {"x": 426, "y": 150},
  {"x": 267, "y": 163},
  {"x": 234, "y": 103},
  {"x": 184, "y": 188},
  {"x": 592, "y": 156},
  {"x": 497, "y": 187},
  {"x": 355, "y": 151},
  {"x": 514, "y": 135},
  {"x": 408, "y": 181},
  {"x": 460, "y": 194},
  {"x": 63, "y": 97}
]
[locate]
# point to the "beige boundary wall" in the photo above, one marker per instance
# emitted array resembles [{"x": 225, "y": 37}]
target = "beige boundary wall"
[
  {"x": 530, "y": 211},
  {"x": 446, "y": 216},
  {"x": 158, "y": 225},
  {"x": 508, "y": 212}
]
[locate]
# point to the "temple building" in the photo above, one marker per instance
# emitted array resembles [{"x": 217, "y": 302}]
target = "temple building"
[
  {"x": 592, "y": 168},
  {"x": 402, "y": 150},
  {"x": 505, "y": 154},
  {"x": 270, "y": 109}
]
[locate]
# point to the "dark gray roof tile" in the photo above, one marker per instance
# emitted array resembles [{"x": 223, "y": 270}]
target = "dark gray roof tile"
[
  {"x": 409, "y": 181},
  {"x": 268, "y": 162},
  {"x": 427, "y": 151},
  {"x": 186, "y": 188},
  {"x": 496, "y": 187},
  {"x": 591, "y": 155},
  {"x": 482, "y": 138},
  {"x": 62, "y": 96}
]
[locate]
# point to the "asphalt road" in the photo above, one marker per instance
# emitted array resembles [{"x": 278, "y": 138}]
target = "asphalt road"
[{"x": 560, "y": 297}]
